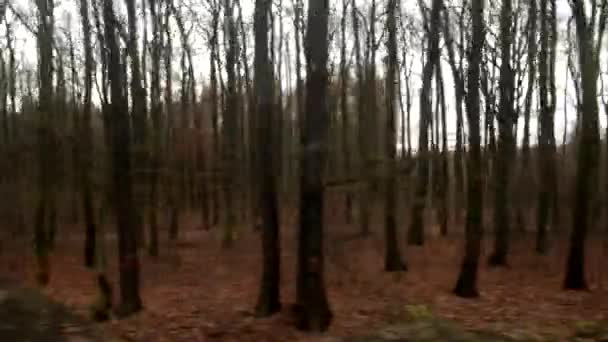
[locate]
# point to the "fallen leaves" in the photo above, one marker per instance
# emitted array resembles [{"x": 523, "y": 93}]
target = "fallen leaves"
[{"x": 209, "y": 297}]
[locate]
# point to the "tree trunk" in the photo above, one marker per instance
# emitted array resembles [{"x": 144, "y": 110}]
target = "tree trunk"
[
  {"x": 155, "y": 111},
  {"x": 466, "y": 285},
  {"x": 364, "y": 207},
  {"x": 588, "y": 151},
  {"x": 506, "y": 142},
  {"x": 45, "y": 153},
  {"x": 130, "y": 301},
  {"x": 312, "y": 304},
  {"x": 86, "y": 141},
  {"x": 138, "y": 107},
  {"x": 229, "y": 129},
  {"x": 416, "y": 231},
  {"x": 344, "y": 113},
  {"x": 269, "y": 297},
  {"x": 392, "y": 257}
]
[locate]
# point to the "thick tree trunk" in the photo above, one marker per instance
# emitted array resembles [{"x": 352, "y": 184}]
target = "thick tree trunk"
[
  {"x": 392, "y": 257},
  {"x": 130, "y": 301},
  {"x": 45, "y": 153},
  {"x": 269, "y": 297},
  {"x": 138, "y": 107},
  {"x": 466, "y": 286},
  {"x": 588, "y": 151},
  {"x": 506, "y": 142},
  {"x": 311, "y": 298}
]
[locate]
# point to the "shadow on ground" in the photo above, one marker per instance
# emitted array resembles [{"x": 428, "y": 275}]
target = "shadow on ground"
[{"x": 28, "y": 315}]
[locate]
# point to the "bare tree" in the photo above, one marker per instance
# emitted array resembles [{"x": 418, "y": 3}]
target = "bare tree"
[
  {"x": 229, "y": 128},
  {"x": 416, "y": 231},
  {"x": 546, "y": 79},
  {"x": 268, "y": 300},
  {"x": 44, "y": 217},
  {"x": 589, "y": 41},
  {"x": 155, "y": 115},
  {"x": 311, "y": 298},
  {"x": 506, "y": 140},
  {"x": 118, "y": 118},
  {"x": 466, "y": 285},
  {"x": 392, "y": 256}
]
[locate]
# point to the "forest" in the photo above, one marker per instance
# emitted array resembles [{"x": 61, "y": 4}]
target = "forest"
[{"x": 314, "y": 170}]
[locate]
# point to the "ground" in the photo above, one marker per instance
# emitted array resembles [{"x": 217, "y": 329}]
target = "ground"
[
  {"x": 27, "y": 315},
  {"x": 197, "y": 291}
]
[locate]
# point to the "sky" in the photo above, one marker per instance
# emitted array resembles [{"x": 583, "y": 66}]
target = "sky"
[{"x": 67, "y": 19}]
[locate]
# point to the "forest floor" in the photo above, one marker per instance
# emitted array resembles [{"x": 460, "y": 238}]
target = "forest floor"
[
  {"x": 28, "y": 315},
  {"x": 198, "y": 291}
]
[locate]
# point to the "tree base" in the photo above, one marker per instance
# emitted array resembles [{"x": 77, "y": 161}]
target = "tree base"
[
  {"x": 266, "y": 308},
  {"x": 497, "y": 260},
  {"x": 575, "y": 283},
  {"x": 394, "y": 265},
  {"x": 312, "y": 319},
  {"x": 465, "y": 290}
]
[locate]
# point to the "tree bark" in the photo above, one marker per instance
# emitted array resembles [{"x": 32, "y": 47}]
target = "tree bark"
[
  {"x": 416, "y": 231},
  {"x": 130, "y": 301},
  {"x": 506, "y": 144},
  {"x": 588, "y": 149},
  {"x": 229, "y": 129},
  {"x": 269, "y": 296},
  {"x": 466, "y": 286},
  {"x": 392, "y": 256},
  {"x": 311, "y": 298}
]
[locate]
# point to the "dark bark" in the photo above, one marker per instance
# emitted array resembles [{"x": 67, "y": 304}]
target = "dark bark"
[
  {"x": 138, "y": 106},
  {"x": 269, "y": 296},
  {"x": 364, "y": 207},
  {"x": 130, "y": 301},
  {"x": 313, "y": 311},
  {"x": 344, "y": 112},
  {"x": 444, "y": 176},
  {"x": 86, "y": 141},
  {"x": 229, "y": 129},
  {"x": 525, "y": 150},
  {"x": 506, "y": 143},
  {"x": 416, "y": 231},
  {"x": 213, "y": 42},
  {"x": 459, "y": 92},
  {"x": 466, "y": 286},
  {"x": 588, "y": 149},
  {"x": 45, "y": 153},
  {"x": 155, "y": 115},
  {"x": 392, "y": 257}
]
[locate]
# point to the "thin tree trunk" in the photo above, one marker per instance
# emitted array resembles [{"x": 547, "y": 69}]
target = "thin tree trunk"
[
  {"x": 86, "y": 141},
  {"x": 229, "y": 128},
  {"x": 344, "y": 112},
  {"x": 416, "y": 231}
]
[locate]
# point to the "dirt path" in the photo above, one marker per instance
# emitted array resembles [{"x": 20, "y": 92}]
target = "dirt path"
[{"x": 28, "y": 315}]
